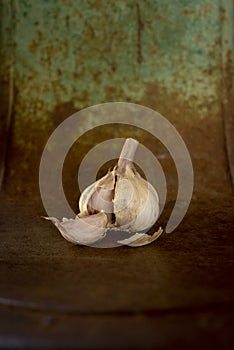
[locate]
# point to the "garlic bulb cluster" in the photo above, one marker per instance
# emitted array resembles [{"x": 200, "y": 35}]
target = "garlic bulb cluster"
[{"x": 121, "y": 200}]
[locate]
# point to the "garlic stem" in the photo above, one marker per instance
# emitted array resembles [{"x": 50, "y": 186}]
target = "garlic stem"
[{"x": 127, "y": 154}]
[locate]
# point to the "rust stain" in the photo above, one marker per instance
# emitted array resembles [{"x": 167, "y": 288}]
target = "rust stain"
[
  {"x": 62, "y": 111},
  {"x": 228, "y": 111},
  {"x": 203, "y": 12},
  {"x": 223, "y": 15},
  {"x": 228, "y": 76},
  {"x": 206, "y": 10},
  {"x": 140, "y": 27},
  {"x": 187, "y": 11}
]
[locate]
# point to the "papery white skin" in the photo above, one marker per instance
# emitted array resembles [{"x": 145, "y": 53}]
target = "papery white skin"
[
  {"x": 140, "y": 239},
  {"x": 82, "y": 231}
]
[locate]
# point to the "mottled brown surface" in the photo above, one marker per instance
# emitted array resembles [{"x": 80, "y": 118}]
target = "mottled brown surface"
[{"x": 174, "y": 291}]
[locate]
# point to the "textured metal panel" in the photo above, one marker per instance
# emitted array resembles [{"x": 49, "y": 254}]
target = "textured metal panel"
[
  {"x": 163, "y": 54},
  {"x": 6, "y": 79},
  {"x": 227, "y": 13}
]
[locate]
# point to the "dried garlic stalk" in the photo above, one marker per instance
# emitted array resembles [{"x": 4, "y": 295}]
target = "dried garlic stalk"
[{"x": 121, "y": 200}]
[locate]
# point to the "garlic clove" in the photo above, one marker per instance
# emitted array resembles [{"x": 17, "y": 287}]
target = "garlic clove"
[
  {"x": 136, "y": 202},
  {"x": 101, "y": 199},
  {"x": 98, "y": 196},
  {"x": 141, "y": 239},
  {"x": 84, "y": 230},
  {"x": 149, "y": 212}
]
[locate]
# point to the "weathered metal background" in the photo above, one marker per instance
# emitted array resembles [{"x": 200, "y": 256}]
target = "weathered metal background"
[{"x": 173, "y": 56}]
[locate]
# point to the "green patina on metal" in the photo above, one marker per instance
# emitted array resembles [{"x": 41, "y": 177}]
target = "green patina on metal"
[
  {"x": 76, "y": 50},
  {"x": 68, "y": 55}
]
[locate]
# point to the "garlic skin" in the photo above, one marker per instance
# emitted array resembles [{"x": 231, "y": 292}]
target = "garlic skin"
[
  {"x": 140, "y": 239},
  {"x": 121, "y": 200}
]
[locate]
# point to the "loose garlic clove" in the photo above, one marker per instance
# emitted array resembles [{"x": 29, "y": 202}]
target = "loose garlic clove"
[{"x": 83, "y": 231}]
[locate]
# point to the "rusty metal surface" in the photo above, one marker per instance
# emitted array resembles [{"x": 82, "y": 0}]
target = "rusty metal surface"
[
  {"x": 6, "y": 80},
  {"x": 206, "y": 330},
  {"x": 45, "y": 272},
  {"x": 177, "y": 291},
  {"x": 227, "y": 16},
  {"x": 72, "y": 54}
]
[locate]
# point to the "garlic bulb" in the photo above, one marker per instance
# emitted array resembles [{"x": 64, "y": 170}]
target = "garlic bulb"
[
  {"x": 121, "y": 200},
  {"x": 132, "y": 201}
]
